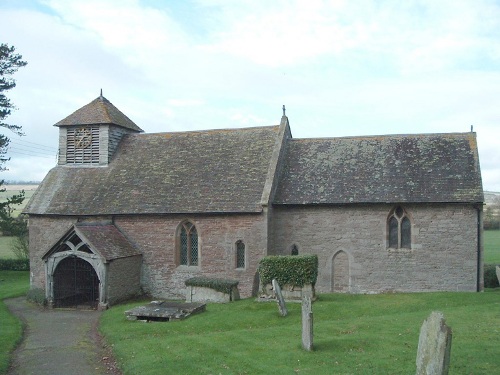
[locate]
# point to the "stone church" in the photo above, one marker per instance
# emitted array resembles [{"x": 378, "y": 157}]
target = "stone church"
[{"x": 125, "y": 212}]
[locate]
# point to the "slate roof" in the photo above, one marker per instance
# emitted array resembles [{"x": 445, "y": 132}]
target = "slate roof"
[
  {"x": 99, "y": 111},
  {"x": 106, "y": 240},
  {"x": 391, "y": 168},
  {"x": 187, "y": 172}
]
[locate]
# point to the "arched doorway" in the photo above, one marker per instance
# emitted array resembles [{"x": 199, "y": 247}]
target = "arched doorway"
[
  {"x": 340, "y": 273},
  {"x": 76, "y": 284}
]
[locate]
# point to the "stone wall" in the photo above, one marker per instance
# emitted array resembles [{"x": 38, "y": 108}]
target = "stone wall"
[
  {"x": 163, "y": 277},
  {"x": 353, "y": 241},
  {"x": 44, "y": 232},
  {"x": 124, "y": 279}
]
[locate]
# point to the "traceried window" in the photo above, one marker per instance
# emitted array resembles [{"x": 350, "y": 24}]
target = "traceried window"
[
  {"x": 399, "y": 228},
  {"x": 188, "y": 245},
  {"x": 240, "y": 254},
  {"x": 294, "y": 250}
]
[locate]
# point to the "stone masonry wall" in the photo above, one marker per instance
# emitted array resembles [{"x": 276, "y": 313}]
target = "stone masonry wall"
[
  {"x": 124, "y": 278},
  {"x": 44, "y": 232},
  {"x": 443, "y": 255},
  {"x": 163, "y": 277}
]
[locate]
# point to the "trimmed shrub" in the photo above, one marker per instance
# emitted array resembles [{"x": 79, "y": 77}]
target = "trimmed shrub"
[
  {"x": 15, "y": 264},
  {"x": 296, "y": 270},
  {"x": 490, "y": 276},
  {"x": 37, "y": 296},
  {"x": 220, "y": 285}
]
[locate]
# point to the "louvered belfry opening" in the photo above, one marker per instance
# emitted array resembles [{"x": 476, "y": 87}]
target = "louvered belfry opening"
[
  {"x": 82, "y": 145},
  {"x": 76, "y": 284}
]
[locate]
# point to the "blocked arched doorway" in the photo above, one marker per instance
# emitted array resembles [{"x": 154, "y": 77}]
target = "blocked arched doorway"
[
  {"x": 75, "y": 284},
  {"x": 340, "y": 272}
]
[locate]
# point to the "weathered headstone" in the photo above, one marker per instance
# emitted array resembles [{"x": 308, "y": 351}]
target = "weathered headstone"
[
  {"x": 434, "y": 346},
  {"x": 279, "y": 298},
  {"x": 307, "y": 324},
  {"x": 497, "y": 269}
]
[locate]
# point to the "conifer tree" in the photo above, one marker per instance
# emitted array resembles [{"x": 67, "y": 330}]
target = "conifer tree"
[{"x": 10, "y": 62}]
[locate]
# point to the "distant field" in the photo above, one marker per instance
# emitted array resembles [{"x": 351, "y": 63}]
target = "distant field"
[
  {"x": 29, "y": 190},
  {"x": 492, "y": 246}
]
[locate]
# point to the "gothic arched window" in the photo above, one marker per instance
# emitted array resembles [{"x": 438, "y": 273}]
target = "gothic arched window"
[
  {"x": 399, "y": 228},
  {"x": 188, "y": 245}
]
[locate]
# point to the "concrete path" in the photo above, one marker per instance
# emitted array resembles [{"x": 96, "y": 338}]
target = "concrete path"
[{"x": 59, "y": 342}]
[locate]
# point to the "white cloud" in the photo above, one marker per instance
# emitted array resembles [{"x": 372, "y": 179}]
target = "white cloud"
[{"x": 341, "y": 67}]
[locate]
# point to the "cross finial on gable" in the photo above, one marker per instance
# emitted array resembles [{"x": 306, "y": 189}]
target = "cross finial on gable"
[
  {"x": 101, "y": 93},
  {"x": 284, "y": 109}
]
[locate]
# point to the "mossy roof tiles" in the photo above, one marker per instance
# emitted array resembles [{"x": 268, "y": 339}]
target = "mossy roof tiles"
[
  {"x": 106, "y": 240},
  {"x": 209, "y": 171},
  {"x": 392, "y": 168},
  {"x": 99, "y": 111}
]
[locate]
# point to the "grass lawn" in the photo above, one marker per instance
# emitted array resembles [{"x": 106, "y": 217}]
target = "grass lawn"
[
  {"x": 12, "y": 284},
  {"x": 353, "y": 334},
  {"x": 492, "y": 246}
]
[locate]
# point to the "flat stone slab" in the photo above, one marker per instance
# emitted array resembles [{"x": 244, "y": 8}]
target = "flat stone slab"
[{"x": 165, "y": 311}]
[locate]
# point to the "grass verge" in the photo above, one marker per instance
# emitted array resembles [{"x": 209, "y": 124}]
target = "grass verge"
[
  {"x": 12, "y": 284},
  {"x": 353, "y": 334}
]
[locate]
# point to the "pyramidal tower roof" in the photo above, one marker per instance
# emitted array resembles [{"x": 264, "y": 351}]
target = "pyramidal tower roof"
[{"x": 99, "y": 111}]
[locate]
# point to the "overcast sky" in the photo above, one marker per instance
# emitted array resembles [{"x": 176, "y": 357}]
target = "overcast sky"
[{"x": 342, "y": 68}]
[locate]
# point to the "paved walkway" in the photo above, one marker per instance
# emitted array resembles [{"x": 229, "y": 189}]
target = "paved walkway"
[{"x": 59, "y": 342}]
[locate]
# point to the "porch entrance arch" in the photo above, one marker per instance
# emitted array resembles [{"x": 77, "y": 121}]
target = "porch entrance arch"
[
  {"x": 75, "y": 284},
  {"x": 91, "y": 266}
]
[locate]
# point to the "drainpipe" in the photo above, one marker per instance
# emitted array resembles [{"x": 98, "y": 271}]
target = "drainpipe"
[{"x": 479, "y": 223}]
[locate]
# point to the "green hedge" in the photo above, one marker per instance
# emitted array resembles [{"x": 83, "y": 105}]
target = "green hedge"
[
  {"x": 296, "y": 270},
  {"x": 15, "y": 264},
  {"x": 490, "y": 276},
  {"x": 220, "y": 285}
]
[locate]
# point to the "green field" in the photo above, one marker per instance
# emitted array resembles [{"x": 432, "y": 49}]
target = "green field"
[
  {"x": 492, "y": 246},
  {"x": 353, "y": 334},
  {"x": 29, "y": 190}
]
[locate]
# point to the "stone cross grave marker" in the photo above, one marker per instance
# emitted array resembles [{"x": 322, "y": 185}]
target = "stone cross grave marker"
[
  {"x": 279, "y": 298},
  {"x": 434, "y": 346},
  {"x": 307, "y": 324}
]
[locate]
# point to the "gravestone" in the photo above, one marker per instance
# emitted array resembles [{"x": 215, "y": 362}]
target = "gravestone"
[
  {"x": 279, "y": 298},
  {"x": 307, "y": 324},
  {"x": 497, "y": 269},
  {"x": 434, "y": 346}
]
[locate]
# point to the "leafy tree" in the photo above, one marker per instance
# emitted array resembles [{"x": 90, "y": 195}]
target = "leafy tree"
[
  {"x": 10, "y": 62},
  {"x": 20, "y": 242}
]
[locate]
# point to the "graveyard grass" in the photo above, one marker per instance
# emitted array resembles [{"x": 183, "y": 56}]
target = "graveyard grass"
[
  {"x": 353, "y": 334},
  {"x": 12, "y": 284}
]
